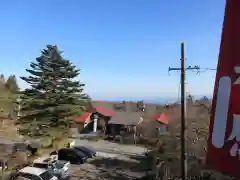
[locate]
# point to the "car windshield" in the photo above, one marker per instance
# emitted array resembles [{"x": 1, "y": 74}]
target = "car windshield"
[
  {"x": 79, "y": 153},
  {"x": 86, "y": 149},
  {"x": 58, "y": 164},
  {"x": 81, "y": 149},
  {"x": 46, "y": 175}
]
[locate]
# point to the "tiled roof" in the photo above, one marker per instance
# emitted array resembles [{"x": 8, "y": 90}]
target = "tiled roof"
[
  {"x": 81, "y": 119},
  {"x": 104, "y": 111},
  {"x": 162, "y": 118},
  {"x": 126, "y": 118}
]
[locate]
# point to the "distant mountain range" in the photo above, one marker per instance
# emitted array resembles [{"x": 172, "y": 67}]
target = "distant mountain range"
[{"x": 152, "y": 100}]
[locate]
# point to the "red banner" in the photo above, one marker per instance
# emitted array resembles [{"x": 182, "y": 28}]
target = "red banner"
[{"x": 224, "y": 131}]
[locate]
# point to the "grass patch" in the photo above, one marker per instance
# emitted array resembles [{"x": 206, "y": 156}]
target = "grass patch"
[
  {"x": 5, "y": 175},
  {"x": 6, "y": 99},
  {"x": 60, "y": 143},
  {"x": 57, "y": 144}
]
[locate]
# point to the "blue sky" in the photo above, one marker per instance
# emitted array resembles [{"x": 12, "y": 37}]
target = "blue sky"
[{"x": 124, "y": 47}]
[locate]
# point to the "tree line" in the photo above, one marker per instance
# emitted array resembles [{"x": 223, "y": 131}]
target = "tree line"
[{"x": 10, "y": 84}]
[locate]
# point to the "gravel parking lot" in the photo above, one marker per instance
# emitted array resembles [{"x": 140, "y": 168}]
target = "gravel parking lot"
[
  {"x": 111, "y": 168},
  {"x": 113, "y": 162},
  {"x": 106, "y": 146}
]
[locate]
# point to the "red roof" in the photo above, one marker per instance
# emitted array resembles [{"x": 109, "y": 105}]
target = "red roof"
[
  {"x": 162, "y": 118},
  {"x": 104, "y": 111},
  {"x": 81, "y": 119}
]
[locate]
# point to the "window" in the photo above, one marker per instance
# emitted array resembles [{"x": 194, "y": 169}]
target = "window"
[
  {"x": 71, "y": 154},
  {"x": 77, "y": 153},
  {"x": 46, "y": 175},
  {"x": 63, "y": 151},
  {"x": 40, "y": 165},
  {"x": 62, "y": 155},
  {"x": 59, "y": 165},
  {"x": 162, "y": 129},
  {"x": 50, "y": 166}
]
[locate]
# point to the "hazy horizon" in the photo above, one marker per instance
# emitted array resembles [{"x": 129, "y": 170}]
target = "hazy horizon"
[{"x": 158, "y": 99}]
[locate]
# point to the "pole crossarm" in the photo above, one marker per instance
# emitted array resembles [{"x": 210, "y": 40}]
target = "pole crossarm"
[{"x": 186, "y": 69}]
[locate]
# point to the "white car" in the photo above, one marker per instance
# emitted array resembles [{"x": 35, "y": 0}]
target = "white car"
[
  {"x": 34, "y": 173},
  {"x": 56, "y": 167}
]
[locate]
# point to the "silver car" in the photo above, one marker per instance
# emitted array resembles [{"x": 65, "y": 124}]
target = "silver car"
[{"x": 57, "y": 168}]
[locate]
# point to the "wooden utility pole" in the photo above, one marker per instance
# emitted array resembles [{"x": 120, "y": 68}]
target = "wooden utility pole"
[{"x": 183, "y": 109}]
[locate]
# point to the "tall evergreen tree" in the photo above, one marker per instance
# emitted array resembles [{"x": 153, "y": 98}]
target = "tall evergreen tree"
[
  {"x": 55, "y": 94},
  {"x": 12, "y": 84}
]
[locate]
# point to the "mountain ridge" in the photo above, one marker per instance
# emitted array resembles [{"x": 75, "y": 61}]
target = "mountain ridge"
[{"x": 151, "y": 100}]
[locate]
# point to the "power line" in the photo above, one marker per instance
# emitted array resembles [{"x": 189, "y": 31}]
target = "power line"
[
  {"x": 202, "y": 70},
  {"x": 187, "y": 83},
  {"x": 211, "y": 69},
  {"x": 179, "y": 90},
  {"x": 196, "y": 69}
]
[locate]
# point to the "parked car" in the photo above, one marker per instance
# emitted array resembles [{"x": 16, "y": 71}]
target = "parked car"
[
  {"x": 33, "y": 173},
  {"x": 70, "y": 154},
  {"x": 89, "y": 152},
  {"x": 57, "y": 168}
]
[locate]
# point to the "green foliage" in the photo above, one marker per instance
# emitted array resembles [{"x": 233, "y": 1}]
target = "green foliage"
[
  {"x": 11, "y": 84},
  {"x": 54, "y": 94},
  {"x": 190, "y": 98},
  {"x": 2, "y": 76}
]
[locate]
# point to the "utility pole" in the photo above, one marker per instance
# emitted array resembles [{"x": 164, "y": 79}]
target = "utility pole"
[{"x": 183, "y": 109}]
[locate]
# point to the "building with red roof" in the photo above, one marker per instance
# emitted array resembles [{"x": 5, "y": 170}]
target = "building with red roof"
[
  {"x": 163, "y": 121},
  {"x": 161, "y": 118},
  {"x": 86, "y": 120}
]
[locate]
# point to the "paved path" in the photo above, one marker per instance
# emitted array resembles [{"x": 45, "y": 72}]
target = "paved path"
[{"x": 106, "y": 146}]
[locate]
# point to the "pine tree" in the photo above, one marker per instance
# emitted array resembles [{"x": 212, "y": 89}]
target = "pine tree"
[
  {"x": 54, "y": 94},
  {"x": 11, "y": 84},
  {"x": 2, "y": 77},
  {"x": 2, "y": 81}
]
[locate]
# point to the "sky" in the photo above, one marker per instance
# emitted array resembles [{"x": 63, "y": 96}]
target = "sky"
[{"x": 123, "y": 47}]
